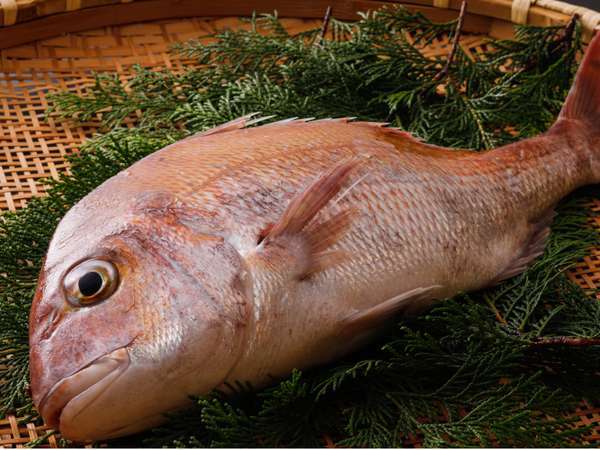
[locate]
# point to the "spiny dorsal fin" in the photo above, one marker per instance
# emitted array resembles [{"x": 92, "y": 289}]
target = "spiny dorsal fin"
[
  {"x": 252, "y": 119},
  {"x": 235, "y": 124},
  {"x": 311, "y": 120},
  {"x": 384, "y": 126}
]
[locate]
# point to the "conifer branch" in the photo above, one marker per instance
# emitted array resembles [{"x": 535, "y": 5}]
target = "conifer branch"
[
  {"x": 566, "y": 37},
  {"x": 324, "y": 26},
  {"x": 455, "y": 43},
  {"x": 567, "y": 341},
  {"x": 492, "y": 306}
]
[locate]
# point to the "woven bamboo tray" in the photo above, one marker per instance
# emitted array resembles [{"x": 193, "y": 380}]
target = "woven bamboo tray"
[{"x": 50, "y": 45}]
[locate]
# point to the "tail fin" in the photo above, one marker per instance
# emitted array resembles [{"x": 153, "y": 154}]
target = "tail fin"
[
  {"x": 583, "y": 102},
  {"x": 580, "y": 116}
]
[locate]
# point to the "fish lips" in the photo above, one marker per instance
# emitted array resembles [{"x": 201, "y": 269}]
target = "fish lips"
[{"x": 71, "y": 395}]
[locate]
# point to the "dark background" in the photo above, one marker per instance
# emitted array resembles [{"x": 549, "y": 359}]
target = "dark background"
[{"x": 592, "y": 4}]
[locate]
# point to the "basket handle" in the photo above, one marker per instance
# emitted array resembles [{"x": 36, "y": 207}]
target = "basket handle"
[
  {"x": 9, "y": 9},
  {"x": 590, "y": 20},
  {"x": 519, "y": 11}
]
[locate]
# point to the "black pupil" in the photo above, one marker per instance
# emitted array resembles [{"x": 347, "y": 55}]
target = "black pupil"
[{"x": 90, "y": 284}]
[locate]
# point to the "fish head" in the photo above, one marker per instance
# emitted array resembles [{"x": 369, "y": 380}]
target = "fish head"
[{"x": 133, "y": 313}]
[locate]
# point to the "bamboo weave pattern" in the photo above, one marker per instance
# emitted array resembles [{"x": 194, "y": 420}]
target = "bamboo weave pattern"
[
  {"x": 32, "y": 149},
  {"x": 518, "y": 11}
]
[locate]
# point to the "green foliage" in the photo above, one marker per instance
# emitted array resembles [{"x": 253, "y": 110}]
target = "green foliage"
[{"x": 468, "y": 373}]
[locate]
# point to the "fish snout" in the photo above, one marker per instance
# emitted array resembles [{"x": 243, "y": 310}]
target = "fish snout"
[{"x": 83, "y": 387}]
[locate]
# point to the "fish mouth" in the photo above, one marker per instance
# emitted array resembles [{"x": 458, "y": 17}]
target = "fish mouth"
[{"x": 83, "y": 387}]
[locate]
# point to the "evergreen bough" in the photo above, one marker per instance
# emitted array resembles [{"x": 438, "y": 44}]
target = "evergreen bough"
[{"x": 487, "y": 368}]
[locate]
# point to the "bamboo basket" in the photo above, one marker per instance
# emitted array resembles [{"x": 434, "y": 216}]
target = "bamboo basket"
[{"x": 50, "y": 45}]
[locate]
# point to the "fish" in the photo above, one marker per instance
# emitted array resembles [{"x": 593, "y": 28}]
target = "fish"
[{"x": 242, "y": 253}]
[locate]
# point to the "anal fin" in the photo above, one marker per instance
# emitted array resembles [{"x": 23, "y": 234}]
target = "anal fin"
[
  {"x": 533, "y": 249},
  {"x": 409, "y": 302}
]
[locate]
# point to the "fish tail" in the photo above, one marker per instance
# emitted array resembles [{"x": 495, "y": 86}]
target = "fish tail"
[
  {"x": 583, "y": 102},
  {"x": 581, "y": 111}
]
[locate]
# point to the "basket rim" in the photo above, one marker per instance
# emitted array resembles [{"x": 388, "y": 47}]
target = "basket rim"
[{"x": 25, "y": 21}]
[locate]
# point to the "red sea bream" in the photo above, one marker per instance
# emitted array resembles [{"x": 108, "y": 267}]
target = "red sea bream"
[{"x": 244, "y": 252}]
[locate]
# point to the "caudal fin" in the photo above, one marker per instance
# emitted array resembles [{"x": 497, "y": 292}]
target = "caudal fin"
[{"x": 583, "y": 102}]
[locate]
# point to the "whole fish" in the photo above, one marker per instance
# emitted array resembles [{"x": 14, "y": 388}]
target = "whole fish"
[{"x": 242, "y": 253}]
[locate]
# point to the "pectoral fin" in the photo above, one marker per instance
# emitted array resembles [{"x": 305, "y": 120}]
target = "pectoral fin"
[
  {"x": 368, "y": 320},
  {"x": 305, "y": 206},
  {"x": 295, "y": 237}
]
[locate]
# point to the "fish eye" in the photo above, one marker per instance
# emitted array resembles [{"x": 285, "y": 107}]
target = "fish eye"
[{"x": 91, "y": 281}]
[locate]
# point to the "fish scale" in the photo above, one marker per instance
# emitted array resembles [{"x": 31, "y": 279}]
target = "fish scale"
[
  {"x": 425, "y": 212},
  {"x": 239, "y": 254}
]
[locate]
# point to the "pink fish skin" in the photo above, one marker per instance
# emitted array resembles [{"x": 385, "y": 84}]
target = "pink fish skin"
[{"x": 242, "y": 253}]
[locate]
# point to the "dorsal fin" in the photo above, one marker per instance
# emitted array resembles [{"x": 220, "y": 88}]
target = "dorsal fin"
[
  {"x": 390, "y": 131},
  {"x": 252, "y": 119},
  {"x": 235, "y": 124},
  {"x": 312, "y": 120}
]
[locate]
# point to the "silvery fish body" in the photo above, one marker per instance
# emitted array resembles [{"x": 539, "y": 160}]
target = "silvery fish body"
[{"x": 243, "y": 253}]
